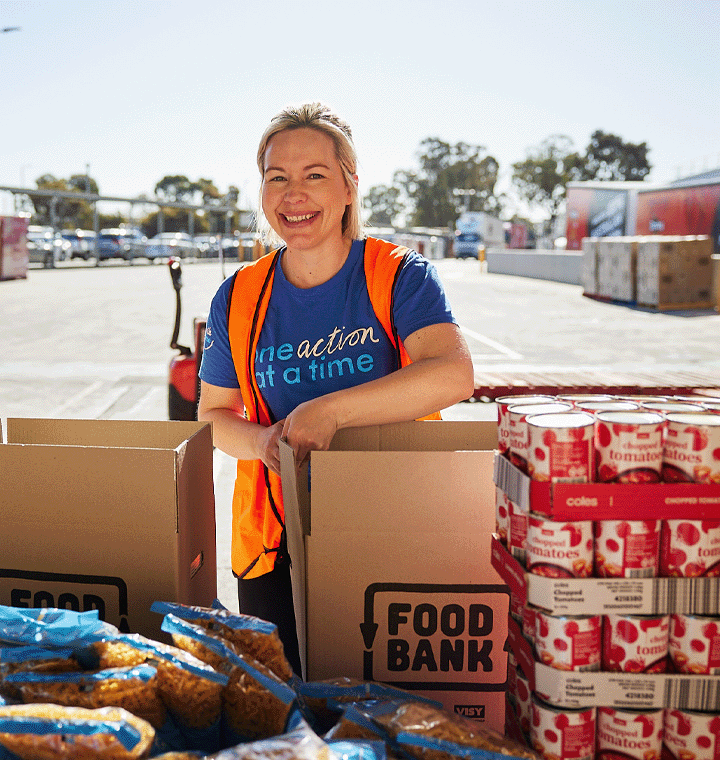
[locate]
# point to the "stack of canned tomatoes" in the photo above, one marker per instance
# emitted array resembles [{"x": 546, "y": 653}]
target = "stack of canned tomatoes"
[{"x": 658, "y": 450}]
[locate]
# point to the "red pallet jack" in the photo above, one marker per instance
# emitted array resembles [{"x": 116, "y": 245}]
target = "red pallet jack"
[{"x": 183, "y": 380}]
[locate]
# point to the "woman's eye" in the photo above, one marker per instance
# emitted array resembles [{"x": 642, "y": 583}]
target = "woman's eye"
[
  {"x": 315, "y": 175},
  {"x": 276, "y": 178}
]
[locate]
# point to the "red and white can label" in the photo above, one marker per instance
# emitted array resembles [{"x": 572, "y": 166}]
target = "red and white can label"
[
  {"x": 623, "y": 734},
  {"x": 523, "y": 700},
  {"x": 502, "y": 514},
  {"x": 519, "y": 434},
  {"x": 627, "y": 548},
  {"x": 560, "y": 448},
  {"x": 691, "y": 735},
  {"x": 559, "y": 549},
  {"x": 694, "y": 644},
  {"x": 629, "y": 447},
  {"x": 528, "y": 623},
  {"x": 692, "y": 448},
  {"x": 503, "y": 418},
  {"x": 517, "y": 532},
  {"x": 568, "y": 643},
  {"x": 635, "y": 643},
  {"x": 690, "y": 548},
  {"x": 560, "y": 733}
]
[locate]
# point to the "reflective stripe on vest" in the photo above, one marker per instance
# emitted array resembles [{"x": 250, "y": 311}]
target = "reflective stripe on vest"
[{"x": 258, "y": 527}]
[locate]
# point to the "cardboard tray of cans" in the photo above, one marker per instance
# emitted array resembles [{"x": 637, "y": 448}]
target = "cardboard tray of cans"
[
  {"x": 599, "y": 596},
  {"x": 607, "y": 501},
  {"x": 641, "y": 691}
]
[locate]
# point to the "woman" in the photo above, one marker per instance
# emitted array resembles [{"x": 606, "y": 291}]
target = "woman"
[{"x": 330, "y": 331}]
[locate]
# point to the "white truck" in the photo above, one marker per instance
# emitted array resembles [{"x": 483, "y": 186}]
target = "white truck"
[{"x": 476, "y": 231}]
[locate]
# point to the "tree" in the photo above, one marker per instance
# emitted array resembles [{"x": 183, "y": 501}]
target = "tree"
[
  {"x": 177, "y": 188},
  {"x": 63, "y": 212},
  {"x": 609, "y": 157},
  {"x": 542, "y": 177},
  {"x": 383, "y": 202},
  {"x": 444, "y": 168}
]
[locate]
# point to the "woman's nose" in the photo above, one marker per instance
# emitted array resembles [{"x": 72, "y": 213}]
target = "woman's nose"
[{"x": 294, "y": 191}]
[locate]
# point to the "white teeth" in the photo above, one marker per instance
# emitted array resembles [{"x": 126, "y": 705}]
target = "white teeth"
[{"x": 299, "y": 218}]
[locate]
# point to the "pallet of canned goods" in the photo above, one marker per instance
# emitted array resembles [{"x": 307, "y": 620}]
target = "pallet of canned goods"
[{"x": 608, "y": 536}]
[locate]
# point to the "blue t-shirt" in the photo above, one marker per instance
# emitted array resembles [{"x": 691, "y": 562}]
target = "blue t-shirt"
[{"x": 326, "y": 338}]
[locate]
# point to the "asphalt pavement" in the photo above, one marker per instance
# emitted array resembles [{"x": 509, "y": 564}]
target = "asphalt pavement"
[{"x": 93, "y": 342}]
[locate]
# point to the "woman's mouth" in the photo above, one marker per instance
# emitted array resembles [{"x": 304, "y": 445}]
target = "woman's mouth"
[{"x": 299, "y": 218}]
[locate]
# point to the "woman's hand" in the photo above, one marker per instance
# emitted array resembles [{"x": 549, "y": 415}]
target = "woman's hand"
[
  {"x": 310, "y": 427},
  {"x": 268, "y": 445}
]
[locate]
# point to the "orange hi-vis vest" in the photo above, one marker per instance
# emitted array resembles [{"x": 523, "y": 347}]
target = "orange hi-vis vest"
[{"x": 258, "y": 529}]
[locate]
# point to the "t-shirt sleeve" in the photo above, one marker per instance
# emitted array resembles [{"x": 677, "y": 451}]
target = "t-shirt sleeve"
[
  {"x": 217, "y": 366},
  {"x": 420, "y": 299}
]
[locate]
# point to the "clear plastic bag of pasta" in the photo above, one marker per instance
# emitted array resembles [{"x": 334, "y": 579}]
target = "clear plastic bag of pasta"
[
  {"x": 248, "y": 635},
  {"x": 55, "y": 732},
  {"x": 257, "y": 704},
  {"x": 425, "y": 732}
]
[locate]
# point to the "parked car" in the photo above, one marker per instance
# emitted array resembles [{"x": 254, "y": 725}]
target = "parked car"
[
  {"x": 45, "y": 246},
  {"x": 120, "y": 243},
  {"x": 168, "y": 244},
  {"x": 82, "y": 243}
]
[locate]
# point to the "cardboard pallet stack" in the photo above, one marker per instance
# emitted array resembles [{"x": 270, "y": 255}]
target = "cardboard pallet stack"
[
  {"x": 574, "y": 597},
  {"x": 675, "y": 272},
  {"x": 659, "y": 271}
]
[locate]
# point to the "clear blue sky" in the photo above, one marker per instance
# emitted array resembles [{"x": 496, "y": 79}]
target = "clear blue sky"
[{"x": 138, "y": 89}]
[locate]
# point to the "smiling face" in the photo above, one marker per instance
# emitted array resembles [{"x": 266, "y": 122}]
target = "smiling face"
[{"x": 304, "y": 194}]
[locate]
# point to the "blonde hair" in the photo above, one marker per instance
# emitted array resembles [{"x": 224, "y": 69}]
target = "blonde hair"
[{"x": 317, "y": 116}]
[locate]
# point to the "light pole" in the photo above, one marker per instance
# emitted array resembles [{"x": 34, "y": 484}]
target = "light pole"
[{"x": 466, "y": 194}]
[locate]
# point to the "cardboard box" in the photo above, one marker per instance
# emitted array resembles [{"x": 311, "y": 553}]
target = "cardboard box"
[
  {"x": 616, "y": 268},
  {"x": 607, "y": 501},
  {"x": 590, "y": 266},
  {"x": 675, "y": 272},
  {"x": 109, "y": 515},
  {"x": 391, "y": 562}
]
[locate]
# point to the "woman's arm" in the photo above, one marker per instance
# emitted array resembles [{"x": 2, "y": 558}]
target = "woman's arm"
[
  {"x": 441, "y": 374},
  {"x": 233, "y": 433}
]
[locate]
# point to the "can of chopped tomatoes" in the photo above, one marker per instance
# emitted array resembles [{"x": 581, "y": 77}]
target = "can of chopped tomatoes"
[
  {"x": 629, "y": 446},
  {"x": 672, "y": 406},
  {"x": 627, "y": 548},
  {"x": 690, "y": 548},
  {"x": 692, "y": 448},
  {"x": 568, "y": 642},
  {"x": 519, "y": 435},
  {"x": 635, "y": 643},
  {"x": 560, "y": 447},
  {"x": 584, "y": 398},
  {"x": 623, "y": 733},
  {"x": 503, "y": 419},
  {"x": 562, "y": 733},
  {"x": 559, "y": 549},
  {"x": 691, "y": 735},
  {"x": 694, "y": 643},
  {"x": 523, "y": 701},
  {"x": 614, "y": 405}
]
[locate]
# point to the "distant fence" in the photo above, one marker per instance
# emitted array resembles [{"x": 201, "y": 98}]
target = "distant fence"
[{"x": 540, "y": 264}]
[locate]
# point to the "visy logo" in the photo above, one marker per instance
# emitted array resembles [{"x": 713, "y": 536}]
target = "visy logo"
[{"x": 476, "y": 712}]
